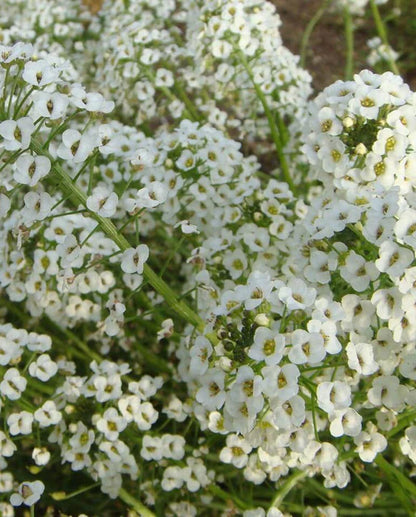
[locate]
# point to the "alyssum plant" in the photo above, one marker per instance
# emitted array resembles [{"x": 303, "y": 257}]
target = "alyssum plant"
[{"x": 182, "y": 333}]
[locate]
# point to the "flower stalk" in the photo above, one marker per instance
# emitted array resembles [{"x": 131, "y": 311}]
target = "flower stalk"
[{"x": 68, "y": 187}]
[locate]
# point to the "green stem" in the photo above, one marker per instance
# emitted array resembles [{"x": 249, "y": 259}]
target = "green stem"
[
  {"x": 405, "y": 419},
  {"x": 135, "y": 504},
  {"x": 329, "y": 493},
  {"x": 226, "y": 496},
  {"x": 75, "y": 339},
  {"x": 274, "y": 131},
  {"x": 369, "y": 511},
  {"x": 19, "y": 106},
  {"x": 349, "y": 40},
  {"x": 181, "y": 94},
  {"x": 77, "y": 196},
  {"x": 381, "y": 30},
  {"x": 59, "y": 496},
  {"x": 287, "y": 487},
  {"x": 392, "y": 471},
  {"x": 169, "y": 94},
  {"x": 309, "y": 29}
]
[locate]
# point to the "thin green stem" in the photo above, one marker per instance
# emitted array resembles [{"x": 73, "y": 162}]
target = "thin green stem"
[
  {"x": 19, "y": 106},
  {"x": 169, "y": 94},
  {"x": 181, "y": 94},
  {"x": 399, "y": 483},
  {"x": 391, "y": 470},
  {"x": 135, "y": 504},
  {"x": 381, "y": 30},
  {"x": 349, "y": 42},
  {"x": 226, "y": 496},
  {"x": 78, "y": 197},
  {"x": 274, "y": 131},
  {"x": 75, "y": 339},
  {"x": 309, "y": 29},
  {"x": 293, "y": 480},
  {"x": 61, "y": 497},
  {"x": 404, "y": 420}
]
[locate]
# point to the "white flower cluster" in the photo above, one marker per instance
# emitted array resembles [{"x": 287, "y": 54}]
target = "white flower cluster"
[
  {"x": 342, "y": 295},
  {"x": 380, "y": 52},
  {"x": 292, "y": 351},
  {"x": 225, "y": 52}
]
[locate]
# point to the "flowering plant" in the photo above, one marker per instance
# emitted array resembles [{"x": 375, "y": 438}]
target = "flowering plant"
[{"x": 186, "y": 329}]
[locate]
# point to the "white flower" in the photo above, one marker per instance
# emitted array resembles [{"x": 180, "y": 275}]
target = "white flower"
[
  {"x": 405, "y": 227},
  {"x": 333, "y": 395},
  {"x": 20, "y": 423},
  {"x": 37, "y": 206},
  {"x": 13, "y": 384},
  {"x": 187, "y": 227},
  {"x": 92, "y": 101},
  {"x": 29, "y": 493},
  {"x": 408, "y": 443},
  {"x": 39, "y": 342},
  {"x": 345, "y": 421},
  {"x": 146, "y": 416},
  {"x": 166, "y": 329},
  {"x": 200, "y": 353},
  {"x": 369, "y": 444},
  {"x": 152, "y": 448},
  {"x": 361, "y": 358},
  {"x": 394, "y": 259},
  {"x": 296, "y": 295},
  {"x": 268, "y": 346},
  {"x": 133, "y": 259},
  {"x": 281, "y": 382},
  {"x": 358, "y": 272},
  {"x": 173, "y": 446},
  {"x": 16, "y": 133},
  {"x": 172, "y": 478},
  {"x": 408, "y": 365},
  {"x": 7, "y": 447},
  {"x": 111, "y": 424},
  {"x": 154, "y": 194},
  {"x": 235, "y": 262},
  {"x": 387, "y": 390},
  {"x": 108, "y": 387},
  {"x": 307, "y": 347},
  {"x": 49, "y": 105},
  {"x": 41, "y": 456},
  {"x": 128, "y": 406},
  {"x": 69, "y": 250},
  {"x": 43, "y": 368},
  {"x": 6, "y": 484},
  {"x": 236, "y": 452},
  {"x": 75, "y": 146},
  {"x": 211, "y": 394},
  {"x": 29, "y": 169},
  {"x": 4, "y": 205},
  {"x": 164, "y": 77},
  {"x": 40, "y": 73},
  {"x": 102, "y": 202},
  {"x": 47, "y": 414}
]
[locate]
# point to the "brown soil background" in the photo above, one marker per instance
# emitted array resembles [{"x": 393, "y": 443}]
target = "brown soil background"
[{"x": 325, "y": 56}]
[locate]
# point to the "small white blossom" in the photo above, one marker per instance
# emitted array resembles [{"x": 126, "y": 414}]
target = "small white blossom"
[{"x": 133, "y": 259}]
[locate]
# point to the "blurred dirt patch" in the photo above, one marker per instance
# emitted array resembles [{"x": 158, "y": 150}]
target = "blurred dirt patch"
[
  {"x": 93, "y": 5},
  {"x": 325, "y": 57}
]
